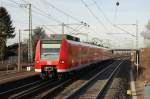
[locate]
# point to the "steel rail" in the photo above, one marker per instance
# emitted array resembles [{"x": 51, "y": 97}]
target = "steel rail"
[
  {"x": 50, "y": 93},
  {"x": 36, "y": 90},
  {"x": 87, "y": 83},
  {"x": 100, "y": 93},
  {"x": 8, "y": 92},
  {"x": 53, "y": 90},
  {"x": 32, "y": 90}
]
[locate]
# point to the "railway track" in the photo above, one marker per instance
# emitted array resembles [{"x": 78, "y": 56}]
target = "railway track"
[
  {"x": 10, "y": 92},
  {"x": 94, "y": 87},
  {"x": 44, "y": 89},
  {"x": 11, "y": 87},
  {"x": 37, "y": 90},
  {"x": 74, "y": 90},
  {"x": 59, "y": 91},
  {"x": 32, "y": 89}
]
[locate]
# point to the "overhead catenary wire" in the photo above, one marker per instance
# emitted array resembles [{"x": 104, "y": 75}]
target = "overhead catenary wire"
[
  {"x": 43, "y": 13},
  {"x": 78, "y": 27},
  {"x": 53, "y": 17},
  {"x": 48, "y": 16},
  {"x": 35, "y": 11},
  {"x": 40, "y": 12},
  {"x": 125, "y": 31},
  {"x": 103, "y": 13},
  {"x": 13, "y": 1},
  {"x": 92, "y": 13},
  {"x": 48, "y": 29},
  {"x": 9, "y": 4},
  {"x": 14, "y": 4},
  {"x": 61, "y": 11},
  {"x": 115, "y": 17}
]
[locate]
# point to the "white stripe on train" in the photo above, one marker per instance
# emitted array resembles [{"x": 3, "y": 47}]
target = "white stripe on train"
[{"x": 74, "y": 68}]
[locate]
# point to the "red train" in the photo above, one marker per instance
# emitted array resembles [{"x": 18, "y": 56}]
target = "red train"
[{"x": 64, "y": 54}]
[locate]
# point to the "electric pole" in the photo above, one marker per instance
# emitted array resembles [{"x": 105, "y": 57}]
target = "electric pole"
[
  {"x": 137, "y": 53},
  {"x": 137, "y": 35},
  {"x": 31, "y": 35},
  {"x": 30, "y": 56},
  {"x": 19, "y": 53}
]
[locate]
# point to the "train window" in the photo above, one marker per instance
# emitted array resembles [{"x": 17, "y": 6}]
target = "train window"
[
  {"x": 50, "y": 45},
  {"x": 50, "y": 51}
]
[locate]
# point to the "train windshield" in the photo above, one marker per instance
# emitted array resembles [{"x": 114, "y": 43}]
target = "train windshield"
[{"x": 50, "y": 51}]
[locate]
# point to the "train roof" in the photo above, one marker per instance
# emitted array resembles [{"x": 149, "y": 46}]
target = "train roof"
[
  {"x": 86, "y": 44},
  {"x": 71, "y": 39},
  {"x": 65, "y": 36}
]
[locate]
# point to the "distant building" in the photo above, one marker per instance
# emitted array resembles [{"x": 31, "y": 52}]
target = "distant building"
[
  {"x": 146, "y": 39},
  {"x": 147, "y": 42},
  {"x": 12, "y": 50}
]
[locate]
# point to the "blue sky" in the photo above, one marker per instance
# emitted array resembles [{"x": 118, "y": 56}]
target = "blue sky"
[{"x": 127, "y": 13}]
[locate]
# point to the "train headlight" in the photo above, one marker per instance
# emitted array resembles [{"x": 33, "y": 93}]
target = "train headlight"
[
  {"x": 37, "y": 62},
  {"x": 62, "y": 61}
]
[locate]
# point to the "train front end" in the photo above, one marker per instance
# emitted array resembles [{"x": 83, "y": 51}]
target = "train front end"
[
  {"x": 52, "y": 57},
  {"x": 47, "y": 60}
]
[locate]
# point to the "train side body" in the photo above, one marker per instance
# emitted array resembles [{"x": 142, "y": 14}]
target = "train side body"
[{"x": 72, "y": 56}]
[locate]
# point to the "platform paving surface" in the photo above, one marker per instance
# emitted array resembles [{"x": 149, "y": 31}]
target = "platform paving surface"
[{"x": 8, "y": 77}]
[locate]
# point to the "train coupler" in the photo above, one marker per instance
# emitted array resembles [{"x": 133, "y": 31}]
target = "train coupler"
[{"x": 49, "y": 72}]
